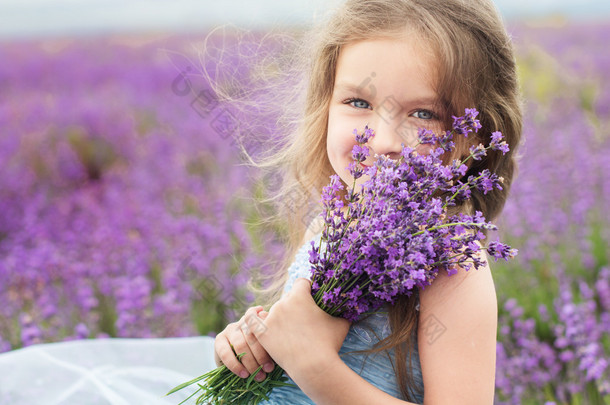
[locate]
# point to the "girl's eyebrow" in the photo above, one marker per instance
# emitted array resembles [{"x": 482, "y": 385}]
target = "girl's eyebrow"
[{"x": 363, "y": 87}]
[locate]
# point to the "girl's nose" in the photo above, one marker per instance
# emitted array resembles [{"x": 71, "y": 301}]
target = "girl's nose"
[{"x": 387, "y": 140}]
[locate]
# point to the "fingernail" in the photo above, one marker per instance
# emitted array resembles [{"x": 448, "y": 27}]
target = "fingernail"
[
  {"x": 268, "y": 367},
  {"x": 259, "y": 377},
  {"x": 244, "y": 374}
]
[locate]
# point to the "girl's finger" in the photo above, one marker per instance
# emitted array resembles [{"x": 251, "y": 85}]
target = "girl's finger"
[
  {"x": 256, "y": 354},
  {"x": 228, "y": 358},
  {"x": 263, "y": 358},
  {"x": 258, "y": 351},
  {"x": 234, "y": 335},
  {"x": 248, "y": 360}
]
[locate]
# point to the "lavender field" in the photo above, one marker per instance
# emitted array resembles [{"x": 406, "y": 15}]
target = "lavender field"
[{"x": 126, "y": 211}]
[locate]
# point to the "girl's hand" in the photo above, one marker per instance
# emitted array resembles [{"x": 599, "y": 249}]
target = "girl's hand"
[
  {"x": 238, "y": 335},
  {"x": 297, "y": 333}
]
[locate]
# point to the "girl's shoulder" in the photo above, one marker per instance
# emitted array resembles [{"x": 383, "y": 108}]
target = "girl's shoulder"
[{"x": 446, "y": 289}]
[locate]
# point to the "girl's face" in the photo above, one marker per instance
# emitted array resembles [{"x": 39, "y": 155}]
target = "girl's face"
[{"x": 387, "y": 84}]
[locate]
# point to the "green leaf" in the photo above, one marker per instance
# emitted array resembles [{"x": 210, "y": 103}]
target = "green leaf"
[{"x": 186, "y": 384}]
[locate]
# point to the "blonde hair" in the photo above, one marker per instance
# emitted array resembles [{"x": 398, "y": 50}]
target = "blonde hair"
[{"x": 476, "y": 68}]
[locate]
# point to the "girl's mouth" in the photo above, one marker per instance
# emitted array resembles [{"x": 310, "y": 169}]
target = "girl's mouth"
[{"x": 364, "y": 166}]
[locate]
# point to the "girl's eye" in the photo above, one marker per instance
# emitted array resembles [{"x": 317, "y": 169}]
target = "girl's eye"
[
  {"x": 424, "y": 114},
  {"x": 358, "y": 103}
]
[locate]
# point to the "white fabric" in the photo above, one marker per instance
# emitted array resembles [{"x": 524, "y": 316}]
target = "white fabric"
[{"x": 104, "y": 371}]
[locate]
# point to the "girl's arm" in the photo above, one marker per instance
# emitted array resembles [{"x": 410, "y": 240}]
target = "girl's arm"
[
  {"x": 305, "y": 341},
  {"x": 334, "y": 383},
  {"x": 457, "y": 338}
]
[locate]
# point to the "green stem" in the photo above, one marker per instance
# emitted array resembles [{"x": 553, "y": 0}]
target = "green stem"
[{"x": 434, "y": 228}]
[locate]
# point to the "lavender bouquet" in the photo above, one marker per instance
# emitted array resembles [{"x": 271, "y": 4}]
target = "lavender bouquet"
[{"x": 385, "y": 240}]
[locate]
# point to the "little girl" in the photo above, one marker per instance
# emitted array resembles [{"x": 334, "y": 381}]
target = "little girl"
[{"x": 396, "y": 65}]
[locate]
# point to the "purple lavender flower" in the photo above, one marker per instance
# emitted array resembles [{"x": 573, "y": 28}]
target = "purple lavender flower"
[
  {"x": 363, "y": 137},
  {"x": 500, "y": 250},
  {"x": 425, "y": 136},
  {"x": 360, "y": 153},
  {"x": 467, "y": 123},
  {"x": 478, "y": 151},
  {"x": 498, "y": 142}
]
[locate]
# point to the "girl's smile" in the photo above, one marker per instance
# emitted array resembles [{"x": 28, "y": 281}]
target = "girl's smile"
[{"x": 387, "y": 84}]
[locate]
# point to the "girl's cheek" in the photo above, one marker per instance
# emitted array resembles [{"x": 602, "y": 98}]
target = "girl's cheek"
[{"x": 424, "y": 149}]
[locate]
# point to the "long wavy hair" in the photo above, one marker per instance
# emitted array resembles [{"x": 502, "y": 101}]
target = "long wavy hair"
[{"x": 476, "y": 68}]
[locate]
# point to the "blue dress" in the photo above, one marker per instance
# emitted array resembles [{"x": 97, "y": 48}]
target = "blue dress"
[{"x": 376, "y": 369}]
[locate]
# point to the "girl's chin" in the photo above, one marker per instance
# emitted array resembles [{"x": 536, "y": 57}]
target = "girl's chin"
[{"x": 349, "y": 181}]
